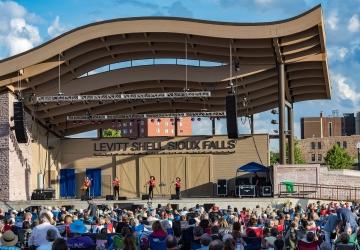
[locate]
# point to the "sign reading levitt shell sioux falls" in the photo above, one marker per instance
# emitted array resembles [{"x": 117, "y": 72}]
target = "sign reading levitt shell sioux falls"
[{"x": 164, "y": 147}]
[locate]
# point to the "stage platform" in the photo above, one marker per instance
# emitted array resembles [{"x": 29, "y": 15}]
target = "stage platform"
[{"x": 186, "y": 202}]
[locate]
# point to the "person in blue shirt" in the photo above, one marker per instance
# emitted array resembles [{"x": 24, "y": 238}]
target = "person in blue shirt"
[{"x": 78, "y": 241}]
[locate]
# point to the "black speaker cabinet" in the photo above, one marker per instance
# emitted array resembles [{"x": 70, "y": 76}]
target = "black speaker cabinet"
[
  {"x": 175, "y": 206},
  {"x": 145, "y": 197},
  {"x": 122, "y": 198},
  {"x": 43, "y": 194},
  {"x": 231, "y": 117},
  {"x": 109, "y": 197},
  {"x": 207, "y": 206},
  {"x": 174, "y": 197},
  {"x": 266, "y": 191},
  {"x": 86, "y": 198},
  {"x": 221, "y": 187},
  {"x": 19, "y": 124},
  {"x": 247, "y": 191}
]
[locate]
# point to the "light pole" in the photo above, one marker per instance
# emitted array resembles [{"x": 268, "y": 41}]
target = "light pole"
[{"x": 358, "y": 148}]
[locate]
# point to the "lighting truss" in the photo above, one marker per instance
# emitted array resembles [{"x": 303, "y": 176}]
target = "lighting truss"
[
  {"x": 122, "y": 97},
  {"x": 143, "y": 116}
]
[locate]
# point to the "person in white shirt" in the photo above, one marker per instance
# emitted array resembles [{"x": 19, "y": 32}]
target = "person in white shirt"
[
  {"x": 39, "y": 233},
  {"x": 51, "y": 236}
]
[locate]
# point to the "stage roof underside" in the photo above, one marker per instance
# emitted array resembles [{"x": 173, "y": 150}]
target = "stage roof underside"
[{"x": 298, "y": 42}]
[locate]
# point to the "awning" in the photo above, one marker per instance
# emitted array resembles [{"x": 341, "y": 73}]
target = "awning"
[{"x": 253, "y": 167}]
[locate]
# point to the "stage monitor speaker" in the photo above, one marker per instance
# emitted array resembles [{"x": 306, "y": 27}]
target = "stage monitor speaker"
[
  {"x": 174, "y": 197},
  {"x": 86, "y": 198},
  {"x": 109, "y": 197},
  {"x": 49, "y": 194},
  {"x": 127, "y": 206},
  {"x": 122, "y": 198},
  {"x": 247, "y": 191},
  {"x": 145, "y": 197},
  {"x": 242, "y": 181},
  {"x": 208, "y": 206},
  {"x": 231, "y": 117},
  {"x": 175, "y": 207},
  {"x": 266, "y": 191},
  {"x": 221, "y": 187},
  {"x": 19, "y": 124}
]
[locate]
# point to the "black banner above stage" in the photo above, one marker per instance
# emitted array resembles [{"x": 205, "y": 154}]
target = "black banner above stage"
[{"x": 164, "y": 147}]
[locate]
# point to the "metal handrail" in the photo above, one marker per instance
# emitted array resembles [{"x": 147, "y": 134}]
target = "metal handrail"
[{"x": 320, "y": 191}]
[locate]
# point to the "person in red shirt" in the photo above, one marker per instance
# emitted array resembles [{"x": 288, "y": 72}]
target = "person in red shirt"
[
  {"x": 151, "y": 184},
  {"x": 116, "y": 187},
  {"x": 177, "y": 187}
]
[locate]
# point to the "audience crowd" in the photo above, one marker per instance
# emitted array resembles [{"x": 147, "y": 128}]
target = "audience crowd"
[{"x": 317, "y": 226}]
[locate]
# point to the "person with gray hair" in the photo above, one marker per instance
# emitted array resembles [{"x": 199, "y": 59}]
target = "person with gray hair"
[
  {"x": 51, "y": 236},
  {"x": 39, "y": 233}
]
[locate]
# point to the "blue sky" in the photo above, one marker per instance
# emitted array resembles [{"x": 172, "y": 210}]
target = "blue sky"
[{"x": 27, "y": 23}]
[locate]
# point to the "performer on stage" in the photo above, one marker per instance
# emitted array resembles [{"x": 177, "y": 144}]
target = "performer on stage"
[
  {"x": 86, "y": 186},
  {"x": 116, "y": 187},
  {"x": 177, "y": 187},
  {"x": 256, "y": 182},
  {"x": 151, "y": 184}
]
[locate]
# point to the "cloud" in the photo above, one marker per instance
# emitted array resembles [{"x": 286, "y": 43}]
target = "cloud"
[
  {"x": 16, "y": 33},
  {"x": 55, "y": 28},
  {"x": 353, "y": 24},
  {"x": 333, "y": 20},
  {"x": 177, "y": 8},
  {"x": 345, "y": 89},
  {"x": 336, "y": 53}
]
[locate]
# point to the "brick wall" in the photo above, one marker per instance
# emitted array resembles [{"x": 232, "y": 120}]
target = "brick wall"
[{"x": 15, "y": 159}]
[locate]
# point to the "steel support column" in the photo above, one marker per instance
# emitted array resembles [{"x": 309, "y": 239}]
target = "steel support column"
[
  {"x": 176, "y": 120},
  {"x": 252, "y": 124},
  {"x": 281, "y": 100},
  {"x": 213, "y": 128},
  {"x": 291, "y": 153}
]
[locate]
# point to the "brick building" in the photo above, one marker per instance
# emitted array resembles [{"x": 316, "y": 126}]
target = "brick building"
[
  {"x": 314, "y": 127},
  {"x": 154, "y": 127},
  {"x": 314, "y": 149}
]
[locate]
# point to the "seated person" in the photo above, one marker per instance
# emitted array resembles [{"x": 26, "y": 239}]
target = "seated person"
[{"x": 77, "y": 241}]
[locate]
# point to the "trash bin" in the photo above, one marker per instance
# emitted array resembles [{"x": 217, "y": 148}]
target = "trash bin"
[{"x": 289, "y": 185}]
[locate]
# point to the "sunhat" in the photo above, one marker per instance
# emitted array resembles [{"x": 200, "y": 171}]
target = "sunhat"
[
  {"x": 9, "y": 238},
  {"x": 78, "y": 226}
]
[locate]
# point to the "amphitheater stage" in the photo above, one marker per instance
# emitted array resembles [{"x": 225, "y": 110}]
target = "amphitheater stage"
[{"x": 186, "y": 202}]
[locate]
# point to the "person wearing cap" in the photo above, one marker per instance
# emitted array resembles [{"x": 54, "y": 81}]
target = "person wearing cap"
[
  {"x": 39, "y": 233},
  {"x": 51, "y": 236},
  {"x": 187, "y": 235},
  {"x": 9, "y": 241},
  {"x": 77, "y": 241}
]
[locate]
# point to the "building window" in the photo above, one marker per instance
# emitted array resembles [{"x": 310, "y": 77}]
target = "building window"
[
  {"x": 166, "y": 131},
  {"x": 166, "y": 124},
  {"x": 344, "y": 144},
  {"x": 130, "y": 124},
  {"x": 313, "y": 145},
  {"x": 130, "y": 131},
  {"x": 142, "y": 123},
  {"x": 319, "y": 145},
  {"x": 338, "y": 143},
  {"x": 158, "y": 130},
  {"x": 312, "y": 157},
  {"x": 330, "y": 129},
  {"x": 142, "y": 130},
  {"x": 125, "y": 131},
  {"x": 172, "y": 131},
  {"x": 124, "y": 124},
  {"x": 158, "y": 123},
  {"x": 180, "y": 124},
  {"x": 319, "y": 157}
]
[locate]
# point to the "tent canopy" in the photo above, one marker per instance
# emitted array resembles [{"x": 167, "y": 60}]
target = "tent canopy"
[{"x": 253, "y": 167}]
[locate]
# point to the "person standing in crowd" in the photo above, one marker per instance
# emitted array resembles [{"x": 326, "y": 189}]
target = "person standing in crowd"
[
  {"x": 116, "y": 187},
  {"x": 51, "y": 236},
  {"x": 59, "y": 244},
  {"x": 177, "y": 187},
  {"x": 39, "y": 233},
  {"x": 9, "y": 241},
  {"x": 151, "y": 183}
]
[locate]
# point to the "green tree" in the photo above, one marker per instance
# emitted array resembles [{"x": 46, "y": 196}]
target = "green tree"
[
  {"x": 297, "y": 154},
  {"x": 338, "y": 158},
  {"x": 111, "y": 133},
  {"x": 274, "y": 158}
]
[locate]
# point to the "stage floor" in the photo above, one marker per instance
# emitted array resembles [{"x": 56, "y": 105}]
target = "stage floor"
[{"x": 186, "y": 202}]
